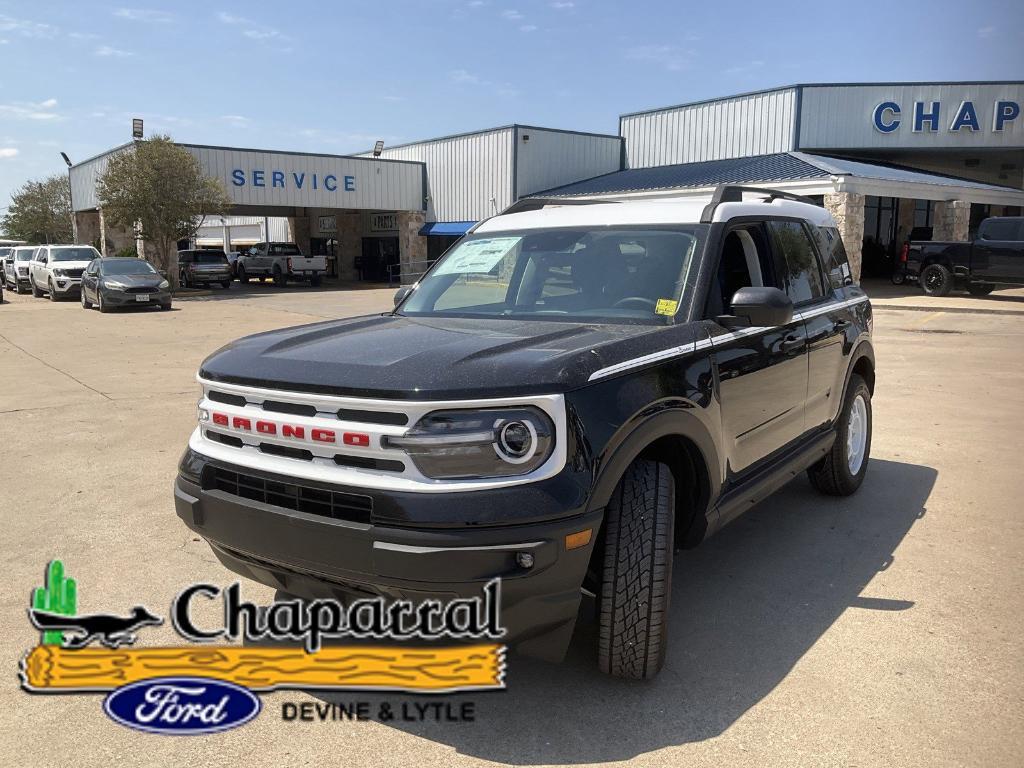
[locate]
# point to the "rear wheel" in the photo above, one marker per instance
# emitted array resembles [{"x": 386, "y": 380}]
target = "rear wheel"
[
  {"x": 936, "y": 280},
  {"x": 637, "y": 572},
  {"x": 842, "y": 471},
  {"x": 980, "y": 289},
  {"x": 279, "y": 278},
  {"x": 315, "y": 280},
  {"x": 226, "y": 284},
  {"x": 240, "y": 273}
]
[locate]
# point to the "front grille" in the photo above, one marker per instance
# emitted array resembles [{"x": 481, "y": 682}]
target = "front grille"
[
  {"x": 73, "y": 272},
  {"x": 23, "y": 271},
  {"x": 314, "y": 501},
  {"x": 373, "y": 417},
  {"x": 223, "y": 397},
  {"x": 140, "y": 290},
  {"x": 296, "y": 409}
]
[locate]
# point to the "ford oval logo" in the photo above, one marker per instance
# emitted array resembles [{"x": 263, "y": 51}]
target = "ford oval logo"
[{"x": 182, "y": 705}]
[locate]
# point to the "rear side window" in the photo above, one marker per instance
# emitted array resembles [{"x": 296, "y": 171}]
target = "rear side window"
[
  {"x": 798, "y": 268},
  {"x": 284, "y": 249},
  {"x": 1000, "y": 229},
  {"x": 837, "y": 266},
  {"x": 211, "y": 257}
]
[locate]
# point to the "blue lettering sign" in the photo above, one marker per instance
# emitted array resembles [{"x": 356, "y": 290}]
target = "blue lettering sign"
[
  {"x": 879, "y": 117},
  {"x": 1005, "y": 112},
  {"x": 277, "y": 179},
  {"x": 257, "y": 179},
  {"x": 350, "y": 183},
  {"x": 299, "y": 179},
  {"x": 314, "y": 181},
  {"x": 238, "y": 177},
  {"x": 331, "y": 183},
  {"x": 966, "y": 117},
  {"x": 921, "y": 117}
]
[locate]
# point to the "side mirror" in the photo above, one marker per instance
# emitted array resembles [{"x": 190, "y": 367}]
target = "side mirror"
[
  {"x": 758, "y": 308},
  {"x": 401, "y": 293}
]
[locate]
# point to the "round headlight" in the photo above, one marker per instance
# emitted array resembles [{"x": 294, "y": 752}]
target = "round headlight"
[{"x": 517, "y": 441}]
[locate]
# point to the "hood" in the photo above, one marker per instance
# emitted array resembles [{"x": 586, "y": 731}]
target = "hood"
[
  {"x": 135, "y": 281},
  {"x": 390, "y": 356},
  {"x": 70, "y": 264}
]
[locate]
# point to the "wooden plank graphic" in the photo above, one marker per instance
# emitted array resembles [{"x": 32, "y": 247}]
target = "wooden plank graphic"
[{"x": 52, "y": 669}]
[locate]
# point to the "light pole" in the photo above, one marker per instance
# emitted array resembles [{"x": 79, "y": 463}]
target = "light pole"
[{"x": 71, "y": 192}]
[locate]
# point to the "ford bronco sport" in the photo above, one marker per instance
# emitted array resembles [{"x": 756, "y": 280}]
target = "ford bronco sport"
[{"x": 571, "y": 395}]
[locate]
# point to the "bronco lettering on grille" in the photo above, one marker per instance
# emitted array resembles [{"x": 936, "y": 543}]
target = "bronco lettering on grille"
[{"x": 292, "y": 431}]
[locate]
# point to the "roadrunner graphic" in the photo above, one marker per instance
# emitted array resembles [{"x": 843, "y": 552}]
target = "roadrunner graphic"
[{"x": 111, "y": 631}]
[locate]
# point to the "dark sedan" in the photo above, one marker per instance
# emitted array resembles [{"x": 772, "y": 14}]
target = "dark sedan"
[{"x": 124, "y": 282}]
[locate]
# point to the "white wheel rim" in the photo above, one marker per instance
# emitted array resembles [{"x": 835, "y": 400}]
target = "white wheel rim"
[{"x": 857, "y": 435}]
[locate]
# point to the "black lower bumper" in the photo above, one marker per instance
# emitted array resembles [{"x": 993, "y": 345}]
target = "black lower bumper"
[{"x": 313, "y": 556}]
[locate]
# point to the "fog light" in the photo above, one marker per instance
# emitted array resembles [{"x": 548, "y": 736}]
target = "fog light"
[
  {"x": 204, "y": 415},
  {"x": 524, "y": 559}
]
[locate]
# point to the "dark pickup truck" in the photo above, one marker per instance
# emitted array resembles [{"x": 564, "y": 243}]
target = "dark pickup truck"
[{"x": 994, "y": 259}]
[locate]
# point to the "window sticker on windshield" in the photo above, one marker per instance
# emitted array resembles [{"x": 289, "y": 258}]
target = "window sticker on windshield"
[
  {"x": 666, "y": 307},
  {"x": 477, "y": 255}
]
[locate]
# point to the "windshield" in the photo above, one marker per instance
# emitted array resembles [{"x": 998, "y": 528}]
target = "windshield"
[
  {"x": 5, "y": 252},
  {"x": 284, "y": 249},
  {"x": 73, "y": 254},
  {"x": 127, "y": 267},
  {"x": 599, "y": 275},
  {"x": 214, "y": 257}
]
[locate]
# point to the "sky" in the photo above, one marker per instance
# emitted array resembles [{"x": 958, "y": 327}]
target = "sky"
[{"x": 335, "y": 77}]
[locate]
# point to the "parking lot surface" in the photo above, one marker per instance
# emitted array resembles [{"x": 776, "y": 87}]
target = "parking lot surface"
[{"x": 881, "y": 629}]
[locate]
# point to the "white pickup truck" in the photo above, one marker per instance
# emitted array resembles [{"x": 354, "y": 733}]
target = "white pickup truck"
[{"x": 281, "y": 262}]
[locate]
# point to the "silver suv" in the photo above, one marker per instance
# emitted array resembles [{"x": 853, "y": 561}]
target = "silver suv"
[{"x": 57, "y": 270}]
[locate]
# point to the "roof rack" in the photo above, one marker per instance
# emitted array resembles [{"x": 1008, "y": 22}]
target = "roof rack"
[
  {"x": 536, "y": 203},
  {"x": 733, "y": 193}
]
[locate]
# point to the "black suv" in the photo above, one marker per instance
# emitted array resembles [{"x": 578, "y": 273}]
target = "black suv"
[{"x": 568, "y": 397}]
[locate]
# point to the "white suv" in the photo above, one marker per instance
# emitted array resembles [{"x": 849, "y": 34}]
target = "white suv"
[{"x": 57, "y": 270}]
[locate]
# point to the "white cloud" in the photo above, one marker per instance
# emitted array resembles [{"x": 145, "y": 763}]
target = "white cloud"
[
  {"x": 251, "y": 29},
  {"x": 563, "y": 6},
  {"x": 7, "y": 152},
  {"x": 48, "y": 104},
  {"x": 750, "y": 66},
  {"x": 986, "y": 32},
  {"x": 464, "y": 77},
  {"x": 142, "y": 14},
  {"x": 26, "y": 110},
  {"x": 26, "y": 28},
  {"x": 236, "y": 120},
  {"x": 107, "y": 51},
  {"x": 668, "y": 56},
  {"x": 528, "y": 28},
  {"x": 476, "y": 3},
  {"x": 512, "y": 15}
]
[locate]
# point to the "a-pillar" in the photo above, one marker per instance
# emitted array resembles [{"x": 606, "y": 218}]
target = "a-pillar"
[
  {"x": 847, "y": 208},
  {"x": 299, "y": 228},
  {"x": 412, "y": 246},
  {"x": 951, "y": 219}
]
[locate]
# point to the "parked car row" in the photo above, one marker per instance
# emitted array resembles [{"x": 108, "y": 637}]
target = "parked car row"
[{"x": 60, "y": 271}]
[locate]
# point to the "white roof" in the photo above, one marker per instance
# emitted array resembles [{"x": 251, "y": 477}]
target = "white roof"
[{"x": 685, "y": 211}]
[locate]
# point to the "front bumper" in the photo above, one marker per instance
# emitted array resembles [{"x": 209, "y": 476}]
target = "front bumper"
[
  {"x": 315, "y": 556},
  {"x": 66, "y": 285},
  {"x": 116, "y": 298}
]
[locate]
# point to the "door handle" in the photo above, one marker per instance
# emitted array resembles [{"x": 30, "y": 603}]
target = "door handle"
[
  {"x": 841, "y": 325},
  {"x": 792, "y": 342}
]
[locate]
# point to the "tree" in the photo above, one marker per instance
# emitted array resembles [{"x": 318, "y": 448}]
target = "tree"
[
  {"x": 40, "y": 212},
  {"x": 159, "y": 187}
]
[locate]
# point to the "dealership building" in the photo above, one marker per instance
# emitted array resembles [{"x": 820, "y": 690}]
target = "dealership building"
[{"x": 884, "y": 158}]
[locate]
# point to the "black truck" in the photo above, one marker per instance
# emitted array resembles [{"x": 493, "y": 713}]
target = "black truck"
[
  {"x": 995, "y": 259},
  {"x": 569, "y": 396}
]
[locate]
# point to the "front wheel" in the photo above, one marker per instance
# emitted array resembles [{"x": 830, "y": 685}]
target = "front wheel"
[
  {"x": 980, "y": 289},
  {"x": 226, "y": 284},
  {"x": 637, "y": 572},
  {"x": 936, "y": 280},
  {"x": 279, "y": 278},
  {"x": 100, "y": 304},
  {"x": 53, "y": 293},
  {"x": 85, "y": 301},
  {"x": 35, "y": 290},
  {"x": 843, "y": 469}
]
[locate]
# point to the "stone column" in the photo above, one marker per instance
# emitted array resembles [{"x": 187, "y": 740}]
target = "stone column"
[
  {"x": 951, "y": 220},
  {"x": 904, "y": 219},
  {"x": 412, "y": 246},
  {"x": 299, "y": 227},
  {"x": 349, "y": 245},
  {"x": 87, "y": 223},
  {"x": 847, "y": 208}
]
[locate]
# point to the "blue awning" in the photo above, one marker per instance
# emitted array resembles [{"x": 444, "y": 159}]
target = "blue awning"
[{"x": 457, "y": 228}]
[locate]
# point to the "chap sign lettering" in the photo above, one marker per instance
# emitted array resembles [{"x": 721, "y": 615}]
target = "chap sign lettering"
[
  {"x": 259, "y": 177},
  {"x": 927, "y": 117}
]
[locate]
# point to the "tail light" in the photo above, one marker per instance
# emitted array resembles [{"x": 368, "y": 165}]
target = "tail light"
[{"x": 904, "y": 252}]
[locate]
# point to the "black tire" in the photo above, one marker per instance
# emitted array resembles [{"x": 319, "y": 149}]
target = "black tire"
[
  {"x": 980, "y": 289},
  {"x": 85, "y": 301},
  {"x": 50, "y": 289},
  {"x": 226, "y": 284},
  {"x": 315, "y": 280},
  {"x": 832, "y": 475},
  {"x": 165, "y": 307},
  {"x": 279, "y": 278},
  {"x": 240, "y": 273},
  {"x": 936, "y": 280},
  {"x": 35, "y": 290},
  {"x": 637, "y": 573},
  {"x": 99, "y": 303},
  {"x": 898, "y": 278}
]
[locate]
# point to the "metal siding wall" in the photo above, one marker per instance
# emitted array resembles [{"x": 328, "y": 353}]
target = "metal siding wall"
[
  {"x": 552, "y": 158},
  {"x": 463, "y": 173},
  {"x": 84, "y": 178},
  {"x": 840, "y": 117},
  {"x": 758, "y": 124}
]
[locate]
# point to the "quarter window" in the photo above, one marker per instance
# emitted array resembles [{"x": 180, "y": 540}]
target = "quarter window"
[
  {"x": 837, "y": 266},
  {"x": 799, "y": 271},
  {"x": 999, "y": 229}
]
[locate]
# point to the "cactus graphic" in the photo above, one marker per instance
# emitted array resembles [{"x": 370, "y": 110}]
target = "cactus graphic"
[{"x": 60, "y": 595}]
